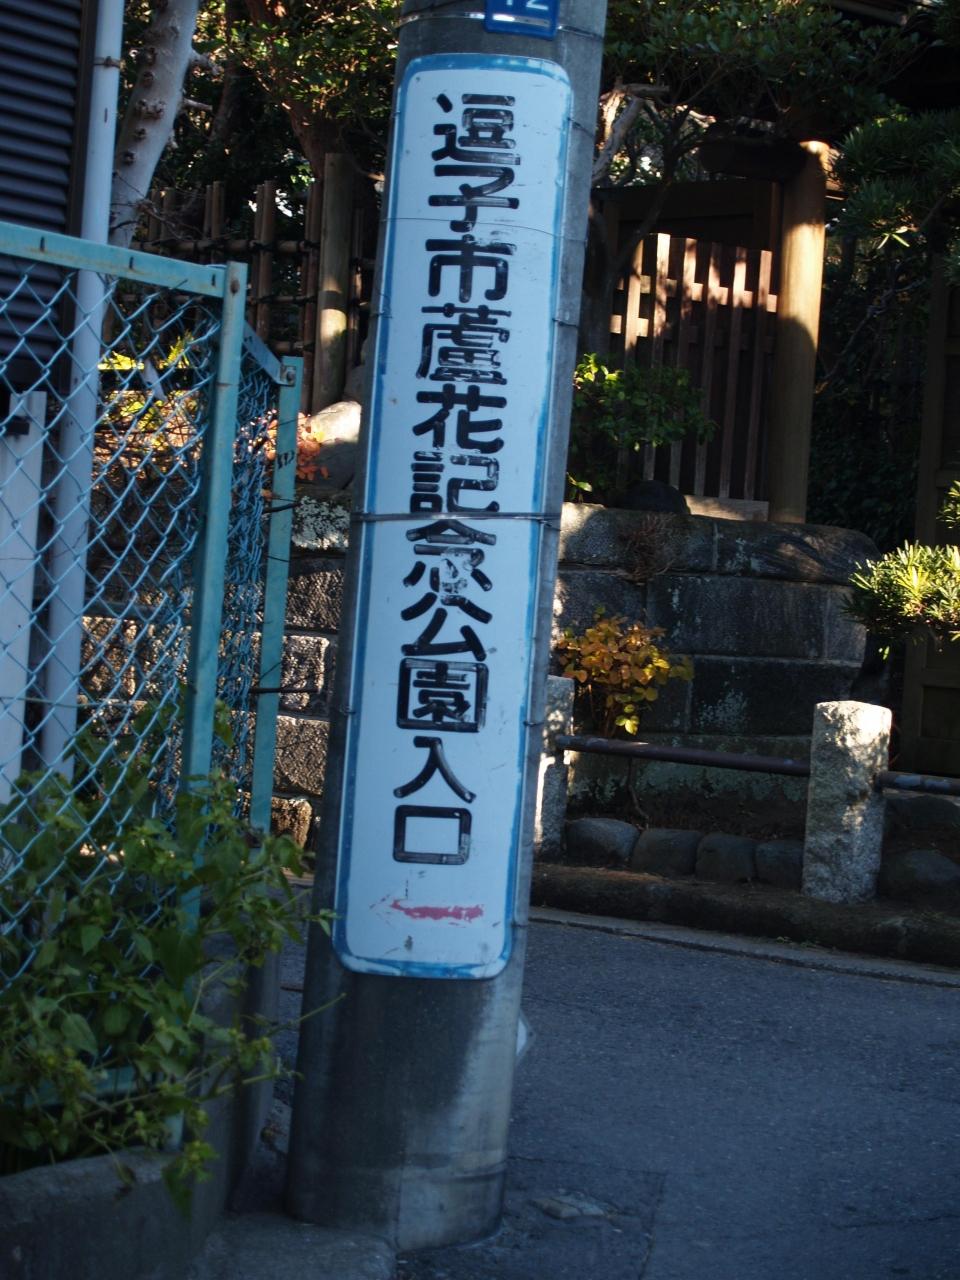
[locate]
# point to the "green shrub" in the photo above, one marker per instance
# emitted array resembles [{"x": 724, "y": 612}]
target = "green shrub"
[
  {"x": 912, "y": 591},
  {"x": 120, "y": 925},
  {"x": 618, "y": 411}
]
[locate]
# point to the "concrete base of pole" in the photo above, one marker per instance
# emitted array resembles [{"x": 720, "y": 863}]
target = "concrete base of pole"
[
  {"x": 408, "y": 1141},
  {"x": 844, "y": 833}
]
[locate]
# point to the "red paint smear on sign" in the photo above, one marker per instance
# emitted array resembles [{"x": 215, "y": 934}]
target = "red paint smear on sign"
[{"x": 437, "y": 913}]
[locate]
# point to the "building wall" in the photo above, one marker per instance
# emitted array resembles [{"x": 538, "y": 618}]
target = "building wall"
[{"x": 45, "y": 48}]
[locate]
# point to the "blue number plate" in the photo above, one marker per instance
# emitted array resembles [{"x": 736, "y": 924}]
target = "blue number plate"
[{"x": 523, "y": 17}]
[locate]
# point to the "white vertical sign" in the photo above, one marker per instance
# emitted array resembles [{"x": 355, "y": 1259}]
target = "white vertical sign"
[{"x": 450, "y": 526}]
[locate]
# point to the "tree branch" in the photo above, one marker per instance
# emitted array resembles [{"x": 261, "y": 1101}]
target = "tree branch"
[
  {"x": 151, "y": 112},
  {"x": 621, "y": 125},
  {"x": 204, "y": 61}
]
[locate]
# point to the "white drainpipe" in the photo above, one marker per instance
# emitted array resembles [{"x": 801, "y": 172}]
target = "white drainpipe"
[{"x": 71, "y": 497}]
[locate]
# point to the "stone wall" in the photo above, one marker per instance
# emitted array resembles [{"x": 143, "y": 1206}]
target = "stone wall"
[
  {"x": 314, "y": 602},
  {"x": 758, "y": 606}
]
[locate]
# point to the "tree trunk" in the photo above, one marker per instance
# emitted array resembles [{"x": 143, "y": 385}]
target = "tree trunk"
[{"x": 151, "y": 111}]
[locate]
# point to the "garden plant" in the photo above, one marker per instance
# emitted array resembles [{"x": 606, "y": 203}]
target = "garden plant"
[
  {"x": 121, "y": 922},
  {"x": 616, "y": 412},
  {"x": 619, "y": 667},
  {"x": 913, "y": 592}
]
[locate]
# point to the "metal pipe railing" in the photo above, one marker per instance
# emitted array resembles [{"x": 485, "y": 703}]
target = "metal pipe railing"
[
  {"x": 683, "y": 755},
  {"x": 885, "y": 779},
  {"x": 918, "y": 782}
]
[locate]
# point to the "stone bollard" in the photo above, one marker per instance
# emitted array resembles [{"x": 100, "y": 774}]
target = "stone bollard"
[
  {"x": 553, "y": 779},
  {"x": 844, "y": 834}
]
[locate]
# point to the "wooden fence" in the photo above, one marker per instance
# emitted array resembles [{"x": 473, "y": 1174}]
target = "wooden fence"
[
  {"x": 707, "y": 308},
  {"x": 283, "y": 242}
]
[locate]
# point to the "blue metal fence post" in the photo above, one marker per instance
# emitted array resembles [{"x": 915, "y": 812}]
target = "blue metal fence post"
[
  {"x": 177, "y": 470},
  {"x": 275, "y": 592},
  {"x": 208, "y": 581}
]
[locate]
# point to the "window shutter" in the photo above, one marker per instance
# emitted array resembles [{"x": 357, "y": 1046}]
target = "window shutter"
[{"x": 42, "y": 120}]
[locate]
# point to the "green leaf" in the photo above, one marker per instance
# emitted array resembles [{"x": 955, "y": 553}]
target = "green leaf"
[
  {"x": 180, "y": 955},
  {"x": 90, "y": 935},
  {"x": 116, "y": 1019},
  {"x": 143, "y": 946},
  {"x": 76, "y": 1032},
  {"x": 46, "y": 955}
]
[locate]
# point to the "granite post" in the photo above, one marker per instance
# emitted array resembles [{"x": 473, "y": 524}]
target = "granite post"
[
  {"x": 844, "y": 834},
  {"x": 554, "y": 771}
]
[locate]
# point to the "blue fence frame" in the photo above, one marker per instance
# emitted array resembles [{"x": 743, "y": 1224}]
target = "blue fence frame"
[{"x": 143, "y": 537}]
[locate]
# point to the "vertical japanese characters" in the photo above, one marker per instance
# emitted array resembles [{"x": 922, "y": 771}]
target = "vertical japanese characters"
[
  {"x": 457, "y": 426},
  {"x": 449, "y": 596}
]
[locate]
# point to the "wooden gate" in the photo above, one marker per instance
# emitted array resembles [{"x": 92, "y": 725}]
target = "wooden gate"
[{"x": 707, "y": 308}]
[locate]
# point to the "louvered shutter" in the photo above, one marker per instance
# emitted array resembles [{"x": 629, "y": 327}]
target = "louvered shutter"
[{"x": 41, "y": 129}]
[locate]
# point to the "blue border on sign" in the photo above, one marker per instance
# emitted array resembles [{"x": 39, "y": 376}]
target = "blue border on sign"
[{"x": 419, "y": 969}]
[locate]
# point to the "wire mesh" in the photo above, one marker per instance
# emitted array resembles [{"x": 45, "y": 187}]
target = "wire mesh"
[
  {"x": 107, "y": 384},
  {"x": 244, "y": 576}
]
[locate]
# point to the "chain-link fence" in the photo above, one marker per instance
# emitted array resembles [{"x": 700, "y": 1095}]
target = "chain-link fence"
[{"x": 137, "y": 432}]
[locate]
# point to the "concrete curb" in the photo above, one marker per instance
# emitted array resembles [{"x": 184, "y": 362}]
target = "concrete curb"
[
  {"x": 799, "y": 955},
  {"x": 871, "y": 929},
  {"x": 81, "y": 1219},
  {"x": 272, "y": 1247}
]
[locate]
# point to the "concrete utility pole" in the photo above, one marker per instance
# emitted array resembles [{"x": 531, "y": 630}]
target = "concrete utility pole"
[{"x": 400, "y": 1117}]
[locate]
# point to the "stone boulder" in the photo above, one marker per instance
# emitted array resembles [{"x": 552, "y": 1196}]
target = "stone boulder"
[
  {"x": 340, "y": 427},
  {"x": 728, "y": 859},
  {"x": 921, "y": 813},
  {"x": 600, "y": 842},
  {"x": 663, "y": 851},
  {"x": 780, "y": 863},
  {"x": 922, "y": 874}
]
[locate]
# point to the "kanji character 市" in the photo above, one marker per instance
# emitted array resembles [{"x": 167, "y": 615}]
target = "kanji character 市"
[{"x": 467, "y": 256}]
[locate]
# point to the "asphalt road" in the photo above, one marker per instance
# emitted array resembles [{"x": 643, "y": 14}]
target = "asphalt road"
[{"x": 691, "y": 1114}]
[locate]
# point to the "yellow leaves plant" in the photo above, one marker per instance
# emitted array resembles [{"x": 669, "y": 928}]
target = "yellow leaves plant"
[{"x": 620, "y": 667}]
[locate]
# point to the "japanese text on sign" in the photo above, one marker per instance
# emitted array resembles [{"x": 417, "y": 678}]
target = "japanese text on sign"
[{"x": 432, "y": 805}]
